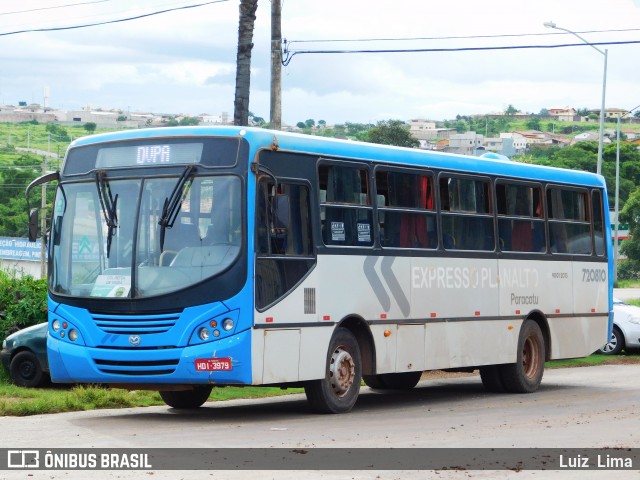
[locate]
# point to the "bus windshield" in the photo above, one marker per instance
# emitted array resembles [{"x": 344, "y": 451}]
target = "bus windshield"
[{"x": 142, "y": 237}]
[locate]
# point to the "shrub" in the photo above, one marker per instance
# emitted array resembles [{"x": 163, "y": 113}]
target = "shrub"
[
  {"x": 23, "y": 302},
  {"x": 629, "y": 270}
]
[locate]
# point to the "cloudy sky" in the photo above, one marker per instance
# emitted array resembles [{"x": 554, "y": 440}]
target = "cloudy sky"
[{"x": 183, "y": 61}]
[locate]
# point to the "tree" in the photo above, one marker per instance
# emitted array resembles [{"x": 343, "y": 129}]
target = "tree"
[
  {"x": 534, "y": 123},
  {"x": 631, "y": 247},
  {"x": 189, "y": 121},
  {"x": 301, "y": 125},
  {"x": 90, "y": 127},
  {"x": 58, "y": 131},
  {"x": 255, "y": 120},
  {"x": 356, "y": 128},
  {"x": 310, "y": 123},
  {"x": 392, "y": 132},
  {"x": 243, "y": 61},
  {"x": 13, "y": 206},
  {"x": 511, "y": 110}
]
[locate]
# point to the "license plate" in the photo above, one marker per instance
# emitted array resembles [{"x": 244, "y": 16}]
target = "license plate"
[{"x": 213, "y": 364}]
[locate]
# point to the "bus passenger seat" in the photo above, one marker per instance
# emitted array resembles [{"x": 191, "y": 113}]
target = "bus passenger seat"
[{"x": 181, "y": 235}]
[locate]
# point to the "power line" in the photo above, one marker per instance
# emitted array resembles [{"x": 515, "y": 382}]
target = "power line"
[
  {"x": 137, "y": 17},
  {"x": 53, "y": 8},
  {"x": 288, "y": 55},
  {"x": 461, "y": 37}
]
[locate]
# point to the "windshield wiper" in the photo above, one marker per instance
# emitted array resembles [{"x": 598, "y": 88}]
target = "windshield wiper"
[
  {"x": 173, "y": 203},
  {"x": 108, "y": 203}
]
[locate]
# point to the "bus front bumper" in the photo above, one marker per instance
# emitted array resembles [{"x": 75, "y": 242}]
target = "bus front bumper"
[{"x": 226, "y": 361}]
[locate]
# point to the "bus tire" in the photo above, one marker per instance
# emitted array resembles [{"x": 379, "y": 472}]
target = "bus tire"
[
  {"x": 525, "y": 375},
  {"x": 338, "y": 391},
  {"x": 393, "y": 381},
  {"x": 492, "y": 378},
  {"x": 187, "y": 399}
]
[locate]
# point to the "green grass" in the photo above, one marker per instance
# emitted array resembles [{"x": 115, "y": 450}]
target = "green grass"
[
  {"x": 595, "y": 359},
  {"x": 20, "y": 401},
  {"x": 628, "y": 284}
]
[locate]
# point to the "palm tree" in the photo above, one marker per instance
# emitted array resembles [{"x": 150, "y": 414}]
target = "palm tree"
[{"x": 243, "y": 61}]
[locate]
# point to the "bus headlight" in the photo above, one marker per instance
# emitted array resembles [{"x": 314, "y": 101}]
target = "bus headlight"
[
  {"x": 73, "y": 335},
  {"x": 214, "y": 328},
  {"x": 55, "y": 325},
  {"x": 227, "y": 324},
  {"x": 203, "y": 334}
]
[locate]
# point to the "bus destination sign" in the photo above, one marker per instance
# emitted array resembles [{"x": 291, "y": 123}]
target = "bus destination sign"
[{"x": 154, "y": 154}]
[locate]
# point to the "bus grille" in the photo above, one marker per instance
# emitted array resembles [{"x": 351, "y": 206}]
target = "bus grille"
[
  {"x": 137, "y": 368},
  {"x": 138, "y": 324}
]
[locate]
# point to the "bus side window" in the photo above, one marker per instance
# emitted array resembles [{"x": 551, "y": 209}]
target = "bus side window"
[
  {"x": 467, "y": 220},
  {"x": 520, "y": 222},
  {"x": 569, "y": 221},
  {"x": 346, "y": 212},
  {"x": 408, "y": 219}
]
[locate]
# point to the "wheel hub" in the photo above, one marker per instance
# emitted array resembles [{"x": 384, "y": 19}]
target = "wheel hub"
[
  {"x": 27, "y": 370},
  {"x": 341, "y": 371}
]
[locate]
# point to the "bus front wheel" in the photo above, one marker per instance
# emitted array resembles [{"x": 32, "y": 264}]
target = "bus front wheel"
[
  {"x": 338, "y": 391},
  {"x": 186, "y": 399}
]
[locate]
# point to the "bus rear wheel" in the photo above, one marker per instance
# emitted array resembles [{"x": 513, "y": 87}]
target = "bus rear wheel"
[
  {"x": 187, "y": 399},
  {"x": 338, "y": 391},
  {"x": 525, "y": 375},
  {"x": 492, "y": 378}
]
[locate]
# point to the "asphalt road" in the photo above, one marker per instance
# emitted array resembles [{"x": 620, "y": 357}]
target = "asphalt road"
[
  {"x": 626, "y": 293},
  {"x": 590, "y": 407}
]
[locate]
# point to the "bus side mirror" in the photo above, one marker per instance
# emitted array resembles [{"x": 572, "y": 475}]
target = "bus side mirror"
[{"x": 33, "y": 225}]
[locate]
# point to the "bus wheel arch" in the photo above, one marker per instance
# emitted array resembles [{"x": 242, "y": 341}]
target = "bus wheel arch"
[
  {"x": 361, "y": 331},
  {"x": 541, "y": 319}
]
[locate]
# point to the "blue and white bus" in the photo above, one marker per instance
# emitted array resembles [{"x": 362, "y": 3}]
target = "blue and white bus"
[{"x": 185, "y": 258}]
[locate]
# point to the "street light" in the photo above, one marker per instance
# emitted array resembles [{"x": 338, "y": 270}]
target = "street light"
[{"x": 604, "y": 89}]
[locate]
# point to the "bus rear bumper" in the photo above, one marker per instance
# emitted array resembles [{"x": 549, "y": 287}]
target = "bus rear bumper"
[{"x": 227, "y": 361}]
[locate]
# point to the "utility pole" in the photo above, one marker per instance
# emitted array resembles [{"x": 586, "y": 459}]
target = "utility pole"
[
  {"x": 276, "y": 65},
  {"x": 43, "y": 223}
]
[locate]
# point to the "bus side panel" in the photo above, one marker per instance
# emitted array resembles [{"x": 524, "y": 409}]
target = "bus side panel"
[
  {"x": 569, "y": 302},
  {"x": 471, "y": 343},
  {"x": 583, "y": 335},
  {"x": 289, "y": 355},
  {"x": 284, "y": 353},
  {"x": 455, "y": 289},
  {"x": 458, "y": 298},
  {"x": 411, "y": 357}
]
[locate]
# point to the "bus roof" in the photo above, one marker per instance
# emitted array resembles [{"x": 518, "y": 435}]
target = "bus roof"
[{"x": 331, "y": 147}]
